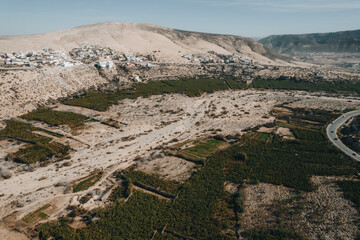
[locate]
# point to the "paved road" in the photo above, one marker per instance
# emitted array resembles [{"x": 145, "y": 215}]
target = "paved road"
[{"x": 331, "y": 133}]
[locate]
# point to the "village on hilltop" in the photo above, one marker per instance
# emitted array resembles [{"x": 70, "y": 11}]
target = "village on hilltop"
[{"x": 103, "y": 57}]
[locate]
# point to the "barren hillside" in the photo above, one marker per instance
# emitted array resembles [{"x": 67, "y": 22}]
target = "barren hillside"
[{"x": 165, "y": 43}]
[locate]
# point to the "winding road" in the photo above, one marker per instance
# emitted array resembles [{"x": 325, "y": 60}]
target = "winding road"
[{"x": 331, "y": 131}]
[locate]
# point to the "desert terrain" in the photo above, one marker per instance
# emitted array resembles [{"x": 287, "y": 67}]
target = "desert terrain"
[
  {"x": 99, "y": 127},
  {"x": 147, "y": 124}
]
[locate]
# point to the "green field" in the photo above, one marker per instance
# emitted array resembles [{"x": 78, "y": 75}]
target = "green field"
[
  {"x": 37, "y": 215},
  {"x": 351, "y": 191},
  {"x": 56, "y": 118},
  {"x": 101, "y": 101},
  {"x": 201, "y": 150},
  {"x": 38, "y": 149},
  {"x": 290, "y": 163},
  {"x": 121, "y": 192},
  {"x": 87, "y": 182},
  {"x": 338, "y": 86},
  {"x": 40, "y": 152},
  {"x": 23, "y": 131},
  {"x": 153, "y": 181},
  {"x": 262, "y": 136}
]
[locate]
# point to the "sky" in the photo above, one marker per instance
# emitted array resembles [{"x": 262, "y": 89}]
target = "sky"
[{"x": 250, "y": 18}]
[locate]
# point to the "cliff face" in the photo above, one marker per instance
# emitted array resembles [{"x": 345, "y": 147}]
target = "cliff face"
[
  {"x": 22, "y": 90},
  {"x": 338, "y": 42}
]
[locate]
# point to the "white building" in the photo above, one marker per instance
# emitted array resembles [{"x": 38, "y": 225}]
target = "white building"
[
  {"x": 67, "y": 64},
  {"x": 137, "y": 79},
  {"x": 32, "y": 64},
  {"x": 109, "y": 64},
  {"x": 105, "y": 64}
]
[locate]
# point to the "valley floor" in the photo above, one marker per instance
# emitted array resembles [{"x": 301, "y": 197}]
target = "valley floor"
[{"x": 145, "y": 124}]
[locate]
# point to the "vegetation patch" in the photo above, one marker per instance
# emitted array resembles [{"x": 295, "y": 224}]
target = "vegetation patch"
[
  {"x": 225, "y": 212},
  {"x": 101, "y": 101},
  {"x": 195, "y": 209},
  {"x": 192, "y": 214},
  {"x": 290, "y": 163},
  {"x": 23, "y": 132},
  {"x": 236, "y": 84},
  {"x": 39, "y": 148},
  {"x": 87, "y": 181},
  {"x": 201, "y": 150},
  {"x": 122, "y": 191},
  {"x": 338, "y": 86},
  {"x": 134, "y": 219},
  {"x": 40, "y": 152},
  {"x": 351, "y": 191},
  {"x": 262, "y": 136},
  {"x": 37, "y": 215},
  {"x": 56, "y": 118},
  {"x": 153, "y": 181}
]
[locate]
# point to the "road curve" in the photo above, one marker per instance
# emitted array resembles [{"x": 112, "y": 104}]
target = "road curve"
[{"x": 331, "y": 131}]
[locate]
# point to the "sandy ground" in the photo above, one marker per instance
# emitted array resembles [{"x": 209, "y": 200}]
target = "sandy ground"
[
  {"x": 11, "y": 235},
  {"x": 146, "y": 124},
  {"x": 171, "y": 168}
]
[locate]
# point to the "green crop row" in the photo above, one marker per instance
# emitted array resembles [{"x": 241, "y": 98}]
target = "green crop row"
[
  {"x": 294, "y": 84},
  {"x": 39, "y": 148},
  {"x": 192, "y": 87},
  {"x": 152, "y": 181},
  {"x": 201, "y": 150},
  {"x": 56, "y": 118},
  {"x": 87, "y": 182},
  {"x": 40, "y": 152}
]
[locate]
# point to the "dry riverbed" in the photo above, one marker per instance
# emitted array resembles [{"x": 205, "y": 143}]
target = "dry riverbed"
[{"x": 145, "y": 124}]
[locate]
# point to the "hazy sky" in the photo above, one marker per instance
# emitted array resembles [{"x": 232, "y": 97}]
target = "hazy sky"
[{"x": 251, "y": 18}]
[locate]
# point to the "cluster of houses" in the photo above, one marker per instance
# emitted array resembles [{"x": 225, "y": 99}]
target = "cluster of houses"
[
  {"x": 47, "y": 57},
  {"x": 234, "y": 59},
  {"x": 105, "y": 64},
  {"x": 104, "y": 57},
  {"x": 93, "y": 53},
  {"x": 218, "y": 58},
  {"x": 199, "y": 58}
]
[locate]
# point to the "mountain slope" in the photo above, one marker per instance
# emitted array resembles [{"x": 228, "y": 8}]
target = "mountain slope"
[
  {"x": 165, "y": 43},
  {"x": 339, "y": 42}
]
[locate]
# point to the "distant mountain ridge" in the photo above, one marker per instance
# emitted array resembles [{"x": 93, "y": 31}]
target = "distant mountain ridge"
[{"x": 339, "y": 42}]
